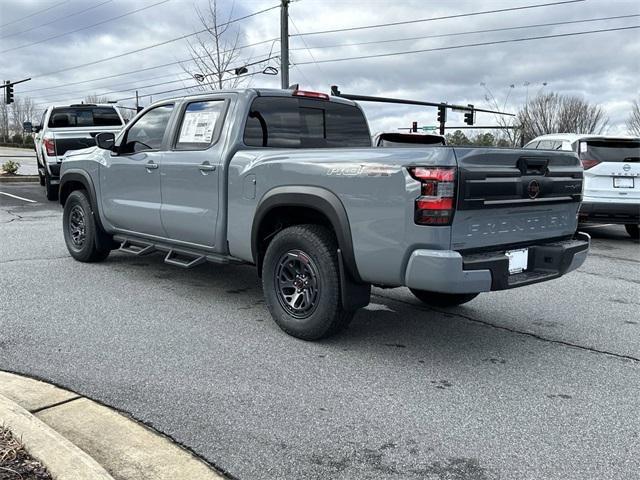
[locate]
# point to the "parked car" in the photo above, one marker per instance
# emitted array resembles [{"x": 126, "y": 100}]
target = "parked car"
[
  {"x": 288, "y": 181},
  {"x": 395, "y": 139},
  {"x": 66, "y": 128},
  {"x": 611, "y": 176}
]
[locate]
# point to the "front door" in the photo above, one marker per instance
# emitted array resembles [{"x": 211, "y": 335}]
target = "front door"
[
  {"x": 190, "y": 174},
  {"x": 130, "y": 178}
]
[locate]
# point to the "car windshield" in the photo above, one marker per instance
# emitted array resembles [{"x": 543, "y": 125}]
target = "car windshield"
[
  {"x": 84, "y": 117},
  {"x": 611, "y": 151}
]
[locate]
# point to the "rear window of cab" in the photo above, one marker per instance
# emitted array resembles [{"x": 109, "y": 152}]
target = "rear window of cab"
[
  {"x": 84, "y": 117},
  {"x": 286, "y": 122}
]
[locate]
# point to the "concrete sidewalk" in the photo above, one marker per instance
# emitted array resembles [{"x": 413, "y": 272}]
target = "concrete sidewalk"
[{"x": 79, "y": 439}]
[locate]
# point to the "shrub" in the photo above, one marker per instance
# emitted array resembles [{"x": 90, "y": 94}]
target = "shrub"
[
  {"x": 17, "y": 138},
  {"x": 10, "y": 167},
  {"x": 28, "y": 140}
]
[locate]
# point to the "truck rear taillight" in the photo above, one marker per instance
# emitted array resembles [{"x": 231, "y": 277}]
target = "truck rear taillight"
[
  {"x": 587, "y": 164},
  {"x": 50, "y": 146},
  {"x": 435, "y": 205}
]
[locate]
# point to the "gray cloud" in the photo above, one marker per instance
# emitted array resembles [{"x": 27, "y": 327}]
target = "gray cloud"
[{"x": 603, "y": 68}]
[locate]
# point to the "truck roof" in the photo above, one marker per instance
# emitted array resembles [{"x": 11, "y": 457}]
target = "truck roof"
[
  {"x": 267, "y": 92},
  {"x": 572, "y": 137}
]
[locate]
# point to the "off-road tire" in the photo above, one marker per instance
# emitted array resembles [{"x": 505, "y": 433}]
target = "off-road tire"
[
  {"x": 77, "y": 206},
  {"x": 51, "y": 190},
  {"x": 633, "y": 231},
  {"x": 316, "y": 247},
  {"x": 437, "y": 299}
]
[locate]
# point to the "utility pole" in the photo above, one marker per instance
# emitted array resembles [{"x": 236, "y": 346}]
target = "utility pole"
[{"x": 284, "y": 44}]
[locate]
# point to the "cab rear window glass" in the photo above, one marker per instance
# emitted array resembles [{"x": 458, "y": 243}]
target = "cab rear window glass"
[
  {"x": 303, "y": 123},
  {"x": 610, "y": 151},
  {"x": 84, "y": 117}
]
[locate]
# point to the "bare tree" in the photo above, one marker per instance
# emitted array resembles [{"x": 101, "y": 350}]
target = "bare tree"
[
  {"x": 555, "y": 113},
  {"x": 214, "y": 53},
  {"x": 508, "y": 134},
  {"x": 95, "y": 98},
  {"x": 21, "y": 110},
  {"x": 633, "y": 122},
  {"x": 4, "y": 120}
]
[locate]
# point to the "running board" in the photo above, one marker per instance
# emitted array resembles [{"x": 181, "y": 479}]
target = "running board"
[
  {"x": 138, "y": 250},
  {"x": 177, "y": 256},
  {"x": 184, "y": 260}
]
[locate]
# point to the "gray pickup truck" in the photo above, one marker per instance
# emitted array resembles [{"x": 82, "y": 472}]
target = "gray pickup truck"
[{"x": 289, "y": 181}]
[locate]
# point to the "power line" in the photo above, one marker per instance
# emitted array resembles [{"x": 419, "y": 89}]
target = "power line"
[
  {"x": 143, "y": 69},
  {"x": 56, "y": 20},
  {"x": 84, "y": 28},
  {"x": 181, "y": 37},
  {"x": 140, "y": 87},
  {"x": 308, "y": 50},
  {"x": 490, "y": 30},
  {"x": 34, "y": 14},
  {"x": 446, "y": 17},
  {"x": 453, "y": 47}
]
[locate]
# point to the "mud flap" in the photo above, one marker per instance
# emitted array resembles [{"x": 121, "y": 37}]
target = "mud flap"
[{"x": 354, "y": 295}]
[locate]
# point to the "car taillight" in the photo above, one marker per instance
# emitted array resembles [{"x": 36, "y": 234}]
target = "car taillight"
[
  {"x": 587, "y": 164},
  {"x": 50, "y": 146},
  {"x": 435, "y": 205}
]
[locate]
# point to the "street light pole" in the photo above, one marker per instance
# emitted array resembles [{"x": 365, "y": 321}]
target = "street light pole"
[{"x": 284, "y": 44}]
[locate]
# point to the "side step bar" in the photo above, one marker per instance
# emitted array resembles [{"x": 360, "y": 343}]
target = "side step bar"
[{"x": 179, "y": 257}]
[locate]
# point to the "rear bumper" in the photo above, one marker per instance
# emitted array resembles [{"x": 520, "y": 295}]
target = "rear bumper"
[
  {"x": 610, "y": 212},
  {"x": 451, "y": 272}
]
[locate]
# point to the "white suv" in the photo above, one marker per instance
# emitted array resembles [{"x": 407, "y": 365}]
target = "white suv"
[{"x": 611, "y": 175}]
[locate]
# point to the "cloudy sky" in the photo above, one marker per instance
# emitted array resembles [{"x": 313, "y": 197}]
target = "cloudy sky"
[{"x": 48, "y": 39}]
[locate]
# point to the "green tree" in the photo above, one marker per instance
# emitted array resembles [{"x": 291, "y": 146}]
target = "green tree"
[{"x": 457, "y": 138}]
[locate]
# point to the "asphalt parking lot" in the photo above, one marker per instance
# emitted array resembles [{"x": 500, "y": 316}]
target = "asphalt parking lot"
[{"x": 534, "y": 383}]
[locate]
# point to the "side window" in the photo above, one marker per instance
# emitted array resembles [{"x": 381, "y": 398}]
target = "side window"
[
  {"x": 200, "y": 125},
  {"x": 148, "y": 131},
  {"x": 545, "y": 145},
  {"x": 531, "y": 145}
]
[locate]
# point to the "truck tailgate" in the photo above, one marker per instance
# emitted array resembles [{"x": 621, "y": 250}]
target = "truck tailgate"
[{"x": 515, "y": 197}]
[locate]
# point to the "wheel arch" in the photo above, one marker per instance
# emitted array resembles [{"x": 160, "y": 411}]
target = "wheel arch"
[
  {"x": 325, "y": 204},
  {"x": 76, "y": 179}
]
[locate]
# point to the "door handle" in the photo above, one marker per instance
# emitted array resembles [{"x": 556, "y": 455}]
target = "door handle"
[
  {"x": 207, "y": 167},
  {"x": 151, "y": 165}
]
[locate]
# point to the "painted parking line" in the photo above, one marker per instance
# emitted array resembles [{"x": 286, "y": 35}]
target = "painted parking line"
[{"x": 19, "y": 198}]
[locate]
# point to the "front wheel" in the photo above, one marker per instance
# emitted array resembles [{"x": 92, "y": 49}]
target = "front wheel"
[
  {"x": 437, "y": 299},
  {"x": 80, "y": 229},
  {"x": 301, "y": 283},
  {"x": 633, "y": 231}
]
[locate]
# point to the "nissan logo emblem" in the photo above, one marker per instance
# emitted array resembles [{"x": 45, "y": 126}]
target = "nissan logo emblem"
[
  {"x": 626, "y": 167},
  {"x": 533, "y": 189}
]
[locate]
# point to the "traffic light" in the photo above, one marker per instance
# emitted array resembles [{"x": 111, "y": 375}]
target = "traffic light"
[
  {"x": 470, "y": 116},
  {"x": 442, "y": 113},
  {"x": 8, "y": 92},
  {"x": 414, "y": 127}
]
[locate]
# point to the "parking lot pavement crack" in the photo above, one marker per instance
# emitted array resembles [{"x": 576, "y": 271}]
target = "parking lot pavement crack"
[
  {"x": 611, "y": 257},
  {"x": 57, "y": 404},
  {"x": 513, "y": 330},
  {"x": 600, "y": 275},
  {"x": 33, "y": 259}
]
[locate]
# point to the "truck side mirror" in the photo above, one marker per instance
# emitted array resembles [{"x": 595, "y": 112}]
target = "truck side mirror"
[
  {"x": 106, "y": 141},
  {"x": 37, "y": 128}
]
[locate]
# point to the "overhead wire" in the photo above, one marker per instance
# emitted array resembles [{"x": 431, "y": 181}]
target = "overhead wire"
[{"x": 34, "y": 14}]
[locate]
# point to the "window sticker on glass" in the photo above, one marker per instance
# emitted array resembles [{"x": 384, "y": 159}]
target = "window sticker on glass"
[
  {"x": 583, "y": 147},
  {"x": 198, "y": 126}
]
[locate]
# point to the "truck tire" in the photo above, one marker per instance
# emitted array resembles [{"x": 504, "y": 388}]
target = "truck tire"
[
  {"x": 633, "y": 231},
  {"x": 301, "y": 283},
  {"x": 51, "y": 190},
  {"x": 437, "y": 299},
  {"x": 80, "y": 229}
]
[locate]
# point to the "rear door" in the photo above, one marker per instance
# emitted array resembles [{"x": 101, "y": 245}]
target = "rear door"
[
  {"x": 190, "y": 172},
  {"x": 508, "y": 197},
  {"x": 611, "y": 169},
  {"x": 130, "y": 179}
]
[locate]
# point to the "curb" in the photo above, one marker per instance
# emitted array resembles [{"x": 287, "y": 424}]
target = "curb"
[
  {"x": 63, "y": 459},
  {"x": 19, "y": 179},
  {"x": 120, "y": 445}
]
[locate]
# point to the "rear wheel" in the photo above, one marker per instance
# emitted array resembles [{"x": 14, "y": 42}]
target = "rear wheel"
[
  {"x": 633, "y": 231},
  {"x": 80, "y": 229},
  {"x": 51, "y": 190},
  {"x": 301, "y": 283},
  {"x": 438, "y": 299}
]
